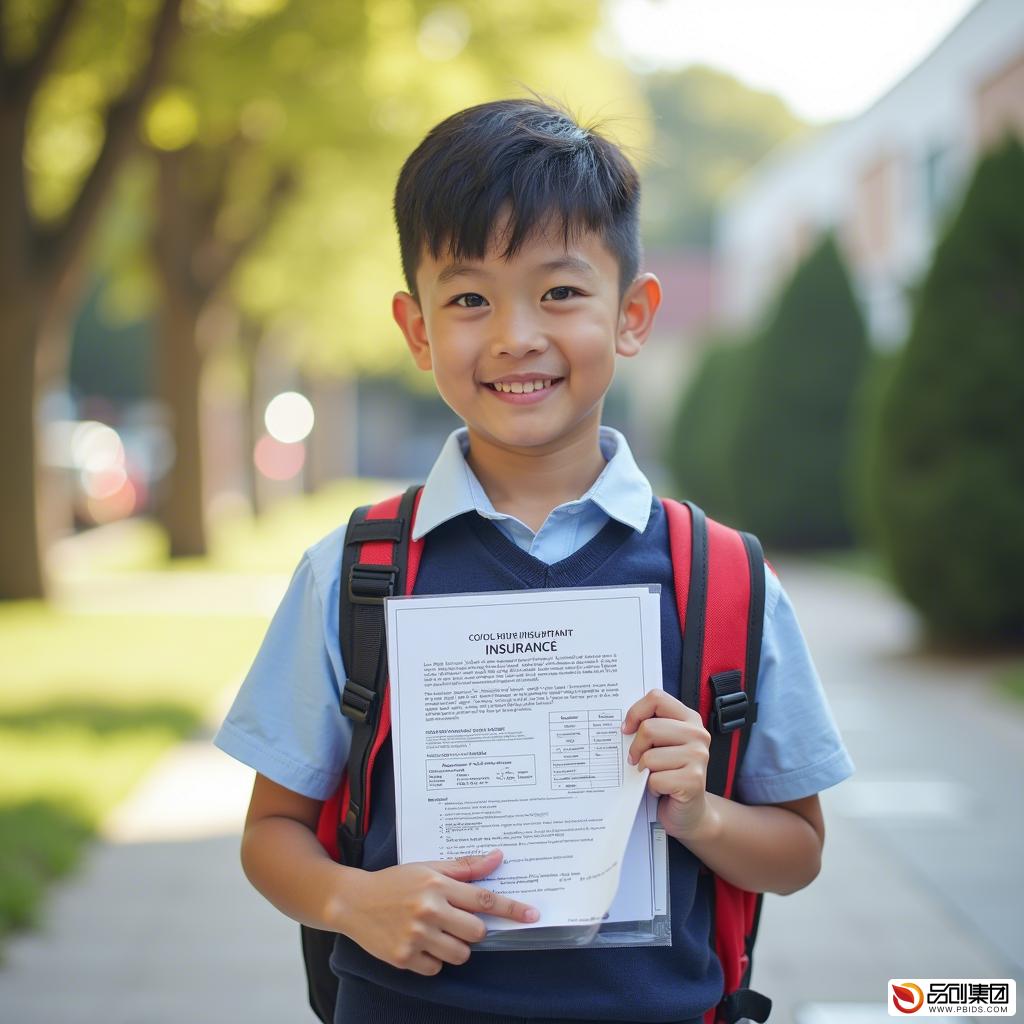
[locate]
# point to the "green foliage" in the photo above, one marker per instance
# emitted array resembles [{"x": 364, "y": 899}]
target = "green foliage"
[
  {"x": 709, "y": 130},
  {"x": 336, "y": 95},
  {"x": 102, "y": 51},
  {"x": 793, "y": 438},
  {"x": 698, "y": 450},
  {"x": 865, "y": 437},
  {"x": 947, "y": 494}
]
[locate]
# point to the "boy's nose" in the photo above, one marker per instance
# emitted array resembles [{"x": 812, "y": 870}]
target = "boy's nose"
[{"x": 517, "y": 336}]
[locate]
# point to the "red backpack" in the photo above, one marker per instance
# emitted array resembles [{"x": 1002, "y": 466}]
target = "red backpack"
[{"x": 719, "y": 588}]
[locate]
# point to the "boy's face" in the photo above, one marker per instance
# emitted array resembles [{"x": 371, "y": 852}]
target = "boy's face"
[{"x": 547, "y": 324}]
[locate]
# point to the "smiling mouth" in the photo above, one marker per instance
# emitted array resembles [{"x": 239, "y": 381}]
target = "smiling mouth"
[{"x": 523, "y": 387}]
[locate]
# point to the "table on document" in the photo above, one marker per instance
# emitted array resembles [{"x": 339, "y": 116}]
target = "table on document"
[{"x": 586, "y": 749}]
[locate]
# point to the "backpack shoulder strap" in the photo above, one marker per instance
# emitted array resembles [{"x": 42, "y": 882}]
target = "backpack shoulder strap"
[
  {"x": 379, "y": 560},
  {"x": 732, "y": 647},
  {"x": 719, "y": 585}
]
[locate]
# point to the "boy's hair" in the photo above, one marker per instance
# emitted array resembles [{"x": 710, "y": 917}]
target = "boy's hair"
[{"x": 530, "y": 155}]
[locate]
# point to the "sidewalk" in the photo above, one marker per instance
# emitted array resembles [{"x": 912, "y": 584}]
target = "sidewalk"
[
  {"x": 923, "y": 843},
  {"x": 919, "y": 877}
]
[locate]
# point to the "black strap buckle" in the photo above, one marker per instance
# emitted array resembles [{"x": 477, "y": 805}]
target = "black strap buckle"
[
  {"x": 370, "y": 584},
  {"x": 730, "y": 711},
  {"x": 744, "y": 1004},
  {"x": 357, "y": 700}
]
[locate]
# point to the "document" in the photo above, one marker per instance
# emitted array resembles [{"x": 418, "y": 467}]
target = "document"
[{"x": 506, "y": 712}]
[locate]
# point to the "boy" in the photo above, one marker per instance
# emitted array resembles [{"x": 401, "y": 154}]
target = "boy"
[{"x": 520, "y": 249}]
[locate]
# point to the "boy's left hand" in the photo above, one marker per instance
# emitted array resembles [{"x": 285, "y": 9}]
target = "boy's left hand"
[{"x": 672, "y": 743}]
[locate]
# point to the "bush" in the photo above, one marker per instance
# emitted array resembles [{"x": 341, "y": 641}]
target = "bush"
[
  {"x": 866, "y": 419},
  {"x": 794, "y": 429},
  {"x": 699, "y": 445},
  {"x": 947, "y": 481}
]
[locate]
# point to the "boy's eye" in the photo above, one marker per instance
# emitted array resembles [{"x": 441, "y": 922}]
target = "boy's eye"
[
  {"x": 564, "y": 288},
  {"x": 457, "y": 301}
]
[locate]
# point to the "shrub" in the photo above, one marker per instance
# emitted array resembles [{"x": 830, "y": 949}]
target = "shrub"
[
  {"x": 947, "y": 477},
  {"x": 866, "y": 419},
  {"x": 699, "y": 445},
  {"x": 793, "y": 439}
]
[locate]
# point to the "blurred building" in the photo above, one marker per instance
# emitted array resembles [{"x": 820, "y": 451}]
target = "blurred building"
[{"x": 884, "y": 181}]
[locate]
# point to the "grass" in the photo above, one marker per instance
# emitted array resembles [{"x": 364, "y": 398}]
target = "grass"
[{"x": 89, "y": 701}]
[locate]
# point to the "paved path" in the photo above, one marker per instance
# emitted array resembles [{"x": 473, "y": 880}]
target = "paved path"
[
  {"x": 919, "y": 879},
  {"x": 923, "y": 845}
]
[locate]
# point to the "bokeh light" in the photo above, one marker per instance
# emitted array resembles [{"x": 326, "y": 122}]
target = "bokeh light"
[
  {"x": 289, "y": 417},
  {"x": 277, "y": 460},
  {"x": 103, "y": 483},
  {"x": 119, "y": 504},
  {"x": 96, "y": 447}
]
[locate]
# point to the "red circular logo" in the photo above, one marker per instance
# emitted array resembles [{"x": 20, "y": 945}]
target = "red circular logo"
[{"x": 907, "y": 993}]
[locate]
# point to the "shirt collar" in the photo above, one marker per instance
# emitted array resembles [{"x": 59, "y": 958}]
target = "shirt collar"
[{"x": 452, "y": 488}]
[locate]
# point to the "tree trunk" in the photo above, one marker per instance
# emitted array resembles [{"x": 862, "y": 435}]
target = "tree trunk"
[
  {"x": 181, "y": 364},
  {"x": 39, "y": 265},
  {"x": 250, "y": 338},
  {"x": 21, "y": 569}
]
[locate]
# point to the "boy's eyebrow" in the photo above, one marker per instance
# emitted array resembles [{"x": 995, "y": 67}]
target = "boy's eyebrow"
[
  {"x": 562, "y": 263},
  {"x": 455, "y": 269},
  {"x": 570, "y": 263}
]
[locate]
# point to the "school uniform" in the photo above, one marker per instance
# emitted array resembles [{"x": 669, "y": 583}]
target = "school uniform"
[{"x": 286, "y": 723}]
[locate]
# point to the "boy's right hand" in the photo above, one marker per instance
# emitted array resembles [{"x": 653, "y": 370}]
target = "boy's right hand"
[{"x": 421, "y": 916}]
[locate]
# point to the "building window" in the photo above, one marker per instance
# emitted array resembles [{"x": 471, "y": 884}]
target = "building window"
[
  {"x": 875, "y": 210},
  {"x": 999, "y": 104}
]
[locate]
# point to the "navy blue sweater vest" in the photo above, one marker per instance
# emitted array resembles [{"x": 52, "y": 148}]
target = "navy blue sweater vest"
[{"x": 659, "y": 983}]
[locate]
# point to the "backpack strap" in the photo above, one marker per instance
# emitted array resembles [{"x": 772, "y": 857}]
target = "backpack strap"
[
  {"x": 719, "y": 585},
  {"x": 718, "y": 576},
  {"x": 379, "y": 560},
  {"x": 732, "y": 648}
]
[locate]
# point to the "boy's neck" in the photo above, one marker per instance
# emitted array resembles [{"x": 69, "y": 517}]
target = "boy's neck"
[{"x": 529, "y": 483}]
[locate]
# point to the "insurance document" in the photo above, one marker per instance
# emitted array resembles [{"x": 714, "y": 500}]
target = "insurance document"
[{"x": 506, "y": 712}]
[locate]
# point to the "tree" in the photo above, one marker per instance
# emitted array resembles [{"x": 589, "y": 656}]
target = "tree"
[
  {"x": 51, "y": 194},
  {"x": 699, "y": 448},
  {"x": 277, "y": 141},
  {"x": 947, "y": 469},
  {"x": 793, "y": 439},
  {"x": 710, "y": 129}
]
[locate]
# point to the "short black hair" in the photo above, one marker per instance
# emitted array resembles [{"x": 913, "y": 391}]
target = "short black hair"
[{"x": 528, "y": 154}]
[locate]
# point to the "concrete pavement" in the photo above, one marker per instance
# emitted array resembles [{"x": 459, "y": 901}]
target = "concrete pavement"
[
  {"x": 919, "y": 879},
  {"x": 924, "y": 842}
]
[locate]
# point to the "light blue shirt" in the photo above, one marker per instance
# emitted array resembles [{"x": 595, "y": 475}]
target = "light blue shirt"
[{"x": 286, "y": 721}]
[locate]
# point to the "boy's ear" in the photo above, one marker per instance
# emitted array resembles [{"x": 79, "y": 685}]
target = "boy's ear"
[
  {"x": 636, "y": 318},
  {"x": 406, "y": 311}
]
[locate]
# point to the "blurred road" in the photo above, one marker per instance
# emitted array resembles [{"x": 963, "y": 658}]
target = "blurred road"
[{"x": 920, "y": 876}]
